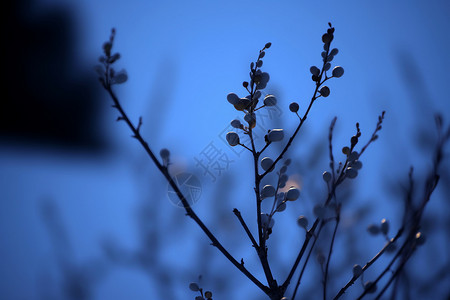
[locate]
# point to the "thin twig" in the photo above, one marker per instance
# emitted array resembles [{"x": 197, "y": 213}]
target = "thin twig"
[
  {"x": 189, "y": 211},
  {"x": 325, "y": 280},
  {"x": 368, "y": 264},
  {"x": 305, "y": 263},
  {"x": 330, "y": 146},
  {"x": 247, "y": 230}
]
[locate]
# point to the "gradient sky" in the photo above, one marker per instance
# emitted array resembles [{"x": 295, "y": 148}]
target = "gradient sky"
[{"x": 183, "y": 58}]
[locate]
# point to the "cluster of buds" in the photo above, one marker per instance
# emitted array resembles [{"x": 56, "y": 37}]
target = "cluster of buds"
[
  {"x": 320, "y": 76},
  {"x": 327, "y": 56},
  {"x": 107, "y": 75},
  {"x": 280, "y": 198},
  {"x": 383, "y": 228},
  {"x": 248, "y": 104},
  {"x": 207, "y": 295}
]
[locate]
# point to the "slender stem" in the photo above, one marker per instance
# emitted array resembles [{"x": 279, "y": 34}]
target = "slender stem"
[
  {"x": 264, "y": 148},
  {"x": 305, "y": 243},
  {"x": 309, "y": 234},
  {"x": 393, "y": 276},
  {"x": 292, "y": 137},
  {"x": 245, "y": 147},
  {"x": 374, "y": 134},
  {"x": 368, "y": 264},
  {"x": 302, "y": 120},
  {"x": 189, "y": 211},
  {"x": 305, "y": 263},
  {"x": 262, "y": 251},
  {"x": 388, "y": 267},
  {"x": 247, "y": 230},
  {"x": 325, "y": 280},
  {"x": 330, "y": 148}
]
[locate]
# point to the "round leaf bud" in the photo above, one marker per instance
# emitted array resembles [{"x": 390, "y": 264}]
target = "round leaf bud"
[
  {"x": 107, "y": 48},
  {"x": 267, "y": 46},
  {"x": 262, "y": 82},
  {"x": 233, "y": 98},
  {"x": 346, "y": 150},
  {"x": 351, "y": 172},
  {"x": 208, "y": 294},
  {"x": 120, "y": 77},
  {"x": 264, "y": 218},
  {"x": 326, "y": 176},
  {"x": 338, "y": 71},
  {"x": 302, "y": 221},
  {"x": 370, "y": 287},
  {"x": 283, "y": 169},
  {"x": 266, "y": 163},
  {"x": 357, "y": 270},
  {"x": 236, "y": 123},
  {"x": 270, "y": 100},
  {"x": 357, "y": 165},
  {"x": 327, "y": 66},
  {"x": 314, "y": 70},
  {"x": 353, "y": 156},
  {"x": 164, "y": 153},
  {"x": 114, "y": 58},
  {"x": 373, "y": 229},
  {"x": 334, "y": 51},
  {"x": 420, "y": 239},
  {"x": 276, "y": 135},
  {"x": 384, "y": 226},
  {"x": 194, "y": 287},
  {"x": 294, "y": 107},
  {"x": 267, "y": 191},
  {"x": 232, "y": 138},
  {"x": 324, "y": 91},
  {"x": 292, "y": 194},
  {"x": 326, "y": 38},
  {"x": 250, "y": 118},
  {"x": 256, "y": 95},
  {"x": 284, "y": 178},
  {"x": 281, "y": 206},
  {"x": 242, "y": 104}
]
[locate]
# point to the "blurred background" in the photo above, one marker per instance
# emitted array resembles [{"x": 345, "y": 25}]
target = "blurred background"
[{"x": 85, "y": 215}]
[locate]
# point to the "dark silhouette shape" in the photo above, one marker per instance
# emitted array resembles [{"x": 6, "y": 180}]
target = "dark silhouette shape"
[{"x": 46, "y": 101}]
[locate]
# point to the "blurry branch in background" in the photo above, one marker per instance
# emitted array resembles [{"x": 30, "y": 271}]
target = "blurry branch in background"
[
  {"x": 79, "y": 280},
  {"x": 326, "y": 212}
]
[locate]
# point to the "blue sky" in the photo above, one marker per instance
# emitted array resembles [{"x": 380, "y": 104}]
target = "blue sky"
[{"x": 183, "y": 58}]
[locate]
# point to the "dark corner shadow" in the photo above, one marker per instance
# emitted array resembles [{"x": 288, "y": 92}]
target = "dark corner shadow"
[{"x": 46, "y": 101}]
